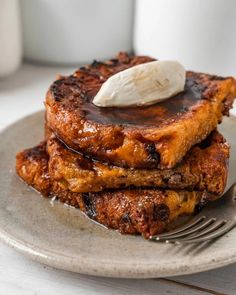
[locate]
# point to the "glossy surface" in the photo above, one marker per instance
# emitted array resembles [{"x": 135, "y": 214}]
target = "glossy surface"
[
  {"x": 149, "y": 115},
  {"x": 62, "y": 237}
]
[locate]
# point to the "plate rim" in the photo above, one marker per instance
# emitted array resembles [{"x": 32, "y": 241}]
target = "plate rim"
[{"x": 122, "y": 270}]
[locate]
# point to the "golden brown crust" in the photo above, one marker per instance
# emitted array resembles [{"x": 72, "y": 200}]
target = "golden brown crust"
[
  {"x": 141, "y": 137},
  {"x": 32, "y": 167},
  {"x": 204, "y": 168},
  {"x": 131, "y": 211}
]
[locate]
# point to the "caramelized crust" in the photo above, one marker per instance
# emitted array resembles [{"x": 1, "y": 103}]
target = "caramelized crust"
[
  {"x": 32, "y": 167},
  {"x": 137, "y": 137},
  {"x": 131, "y": 211},
  {"x": 204, "y": 167}
]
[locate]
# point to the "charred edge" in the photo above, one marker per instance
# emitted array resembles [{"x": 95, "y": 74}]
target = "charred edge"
[
  {"x": 204, "y": 200},
  {"x": 114, "y": 62},
  {"x": 89, "y": 205},
  {"x": 151, "y": 150},
  {"x": 198, "y": 89},
  {"x": 88, "y": 71},
  {"x": 37, "y": 152},
  {"x": 126, "y": 218},
  {"x": 58, "y": 87},
  {"x": 206, "y": 142},
  {"x": 161, "y": 212},
  {"x": 96, "y": 64},
  {"x": 57, "y": 96},
  {"x": 217, "y": 78}
]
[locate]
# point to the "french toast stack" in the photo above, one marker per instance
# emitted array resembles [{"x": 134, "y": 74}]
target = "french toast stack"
[{"x": 135, "y": 169}]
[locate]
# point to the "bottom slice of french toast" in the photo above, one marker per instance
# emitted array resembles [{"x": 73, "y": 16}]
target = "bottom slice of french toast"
[{"x": 146, "y": 211}]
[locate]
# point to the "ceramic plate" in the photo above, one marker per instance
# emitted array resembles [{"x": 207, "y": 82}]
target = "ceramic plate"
[{"x": 62, "y": 237}]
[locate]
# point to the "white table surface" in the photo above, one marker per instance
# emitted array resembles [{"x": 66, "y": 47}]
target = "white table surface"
[{"x": 21, "y": 95}]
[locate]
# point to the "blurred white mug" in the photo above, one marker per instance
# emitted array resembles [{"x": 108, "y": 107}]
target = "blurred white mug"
[
  {"x": 201, "y": 34},
  {"x": 10, "y": 37},
  {"x": 76, "y": 31}
]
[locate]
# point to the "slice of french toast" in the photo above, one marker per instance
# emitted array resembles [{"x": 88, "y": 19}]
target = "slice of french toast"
[
  {"x": 204, "y": 168},
  {"x": 131, "y": 211},
  {"x": 156, "y": 136}
]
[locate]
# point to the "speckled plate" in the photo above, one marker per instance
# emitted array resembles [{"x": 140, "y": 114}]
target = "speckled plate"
[{"x": 62, "y": 237}]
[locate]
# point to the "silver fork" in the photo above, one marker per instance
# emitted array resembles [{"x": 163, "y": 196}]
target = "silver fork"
[{"x": 216, "y": 219}]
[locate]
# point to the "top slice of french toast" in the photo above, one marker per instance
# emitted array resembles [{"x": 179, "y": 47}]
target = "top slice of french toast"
[{"x": 138, "y": 137}]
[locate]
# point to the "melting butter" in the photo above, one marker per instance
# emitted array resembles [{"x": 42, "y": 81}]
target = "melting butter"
[{"x": 144, "y": 84}]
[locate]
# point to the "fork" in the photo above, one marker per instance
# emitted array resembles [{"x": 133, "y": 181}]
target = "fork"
[{"x": 216, "y": 219}]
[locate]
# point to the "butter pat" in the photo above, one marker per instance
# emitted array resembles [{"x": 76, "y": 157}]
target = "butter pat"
[{"x": 143, "y": 84}]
